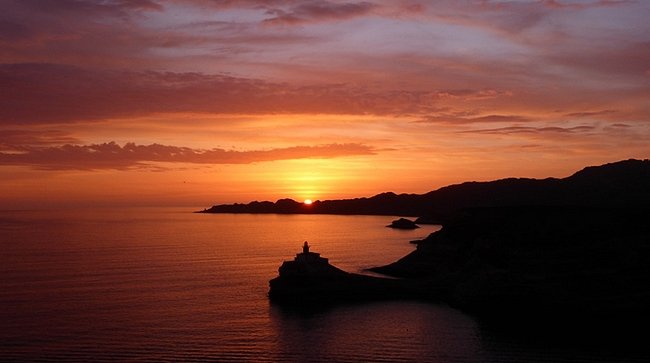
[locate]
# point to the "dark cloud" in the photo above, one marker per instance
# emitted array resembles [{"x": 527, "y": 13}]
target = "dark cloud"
[
  {"x": 16, "y": 139},
  {"x": 86, "y": 7},
  {"x": 76, "y": 32},
  {"x": 591, "y": 113},
  {"x": 499, "y": 118},
  {"x": 555, "y": 4},
  {"x": 629, "y": 59},
  {"x": 113, "y": 156},
  {"x": 11, "y": 30},
  {"x": 47, "y": 93},
  {"x": 533, "y": 130}
]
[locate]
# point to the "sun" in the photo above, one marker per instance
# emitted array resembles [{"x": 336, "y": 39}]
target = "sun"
[{"x": 307, "y": 201}]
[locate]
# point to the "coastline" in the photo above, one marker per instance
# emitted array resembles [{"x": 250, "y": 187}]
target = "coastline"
[{"x": 542, "y": 266}]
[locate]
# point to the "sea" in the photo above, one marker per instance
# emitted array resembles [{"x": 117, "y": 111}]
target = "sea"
[{"x": 169, "y": 285}]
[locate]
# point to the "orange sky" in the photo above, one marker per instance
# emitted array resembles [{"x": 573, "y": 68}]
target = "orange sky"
[{"x": 199, "y": 102}]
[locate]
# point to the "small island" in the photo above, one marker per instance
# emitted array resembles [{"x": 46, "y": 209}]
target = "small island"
[{"x": 403, "y": 223}]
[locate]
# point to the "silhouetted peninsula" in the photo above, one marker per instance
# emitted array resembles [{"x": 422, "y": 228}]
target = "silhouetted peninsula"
[
  {"x": 622, "y": 183},
  {"x": 311, "y": 279}
]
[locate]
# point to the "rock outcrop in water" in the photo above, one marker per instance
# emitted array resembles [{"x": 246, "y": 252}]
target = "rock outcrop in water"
[{"x": 403, "y": 223}]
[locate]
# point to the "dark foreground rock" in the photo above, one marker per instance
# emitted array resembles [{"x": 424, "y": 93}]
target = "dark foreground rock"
[
  {"x": 575, "y": 276},
  {"x": 532, "y": 264},
  {"x": 310, "y": 279},
  {"x": 539, "y": 263}
]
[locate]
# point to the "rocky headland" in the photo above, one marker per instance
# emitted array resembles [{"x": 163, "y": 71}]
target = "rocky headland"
[
  {"x": 577, "y": 252},
  {"x": 310, "y": 279}
]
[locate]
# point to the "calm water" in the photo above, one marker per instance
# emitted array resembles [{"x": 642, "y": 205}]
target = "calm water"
[{"x": 168, "y": 285}]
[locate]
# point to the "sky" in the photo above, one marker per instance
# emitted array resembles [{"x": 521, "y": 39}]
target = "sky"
[{"x": 202, "y": 102}]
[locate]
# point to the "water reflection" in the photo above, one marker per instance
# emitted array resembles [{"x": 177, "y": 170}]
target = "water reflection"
[
  {"x": 386, "y": 331},
  {"x": 414, "y": 331},
  {"x": 150, "y": 285}
]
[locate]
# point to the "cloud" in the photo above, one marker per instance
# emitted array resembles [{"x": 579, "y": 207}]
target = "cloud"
[
  {"x": 581, "y": 6},
  {"x": 14, "y": 138},
  {"x": 465, "y": 117},
  {"x": 591, "y": 113},
  {"x": 113, "y": 156},
  {"x": 47, "y": 93},
  {"x": 319, "y": 11},
  {"x": 533, "y": 130},
  {"x": 78, "y": 32},
  {"x": 120, "y": 8},
  {"x": 516, "y": 18},
  {"x": 629, "y": 59},
  {"x": 412, "y": 64}
]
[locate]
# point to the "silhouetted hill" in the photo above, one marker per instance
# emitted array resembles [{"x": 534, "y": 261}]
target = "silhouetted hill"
[
  {"x": 543, "y": 264},
  {"x": 622, "y": 183}
]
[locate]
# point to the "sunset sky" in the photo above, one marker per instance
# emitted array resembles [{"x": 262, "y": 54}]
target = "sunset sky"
[{"x": 202, "y": 102}]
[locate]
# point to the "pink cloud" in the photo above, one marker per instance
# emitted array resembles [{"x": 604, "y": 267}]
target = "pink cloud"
[
  {"x": 88, "y": 8},
  {"x": 469, "y": 118},
  {"x": 592, "y": 113},
  {"x": 45, "y": 93},
  {"x": 256, "y": 70},
  {"x": 319, "y": 11},
  {"x": 113, "y": 156},
  {"x": 12, "y": 138}
]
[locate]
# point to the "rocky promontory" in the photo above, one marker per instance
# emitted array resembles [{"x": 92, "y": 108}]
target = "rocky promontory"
[
  {"x": 311, "y": 279},
  {"x": 538, "y": 262}
]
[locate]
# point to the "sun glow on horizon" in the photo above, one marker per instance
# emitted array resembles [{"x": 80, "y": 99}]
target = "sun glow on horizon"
[{"x": 314, "y": 117}]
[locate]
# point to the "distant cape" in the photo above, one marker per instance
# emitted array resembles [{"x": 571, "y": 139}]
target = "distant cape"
[{"x": 622, "y": 183}]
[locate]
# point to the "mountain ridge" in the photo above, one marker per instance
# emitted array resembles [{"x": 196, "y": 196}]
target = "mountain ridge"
[{"x": 625, "y": 182}]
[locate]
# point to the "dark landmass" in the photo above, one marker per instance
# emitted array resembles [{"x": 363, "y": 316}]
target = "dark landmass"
[
  {"x": 563, "y": 253},
  {"x": 403, "y": 223},
  {"x": 428, "y": 219},
  {"x": 624, "y": 183},
  {"x": 538, "y": 262},
  {"x": 578, "y": 275}
]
